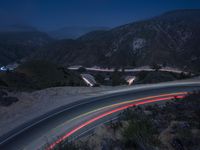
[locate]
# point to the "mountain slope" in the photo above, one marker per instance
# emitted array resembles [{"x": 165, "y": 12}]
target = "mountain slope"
[
  {"x": 33, "y": 75},
  {"x": 73, "y": 32},
  {"x": 171, "y": 39},
  {"x": 15, "y": 45}
]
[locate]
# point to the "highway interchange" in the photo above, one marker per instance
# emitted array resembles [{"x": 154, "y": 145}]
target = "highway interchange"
[{"x": 78, "y": 118}]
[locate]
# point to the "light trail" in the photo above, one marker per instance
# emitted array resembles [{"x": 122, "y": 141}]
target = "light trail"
[
  {"x": 126, "y": 102},
  {"x": 137, "y": 102}
]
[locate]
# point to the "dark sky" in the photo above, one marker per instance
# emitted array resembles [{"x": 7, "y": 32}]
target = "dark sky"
[{"x": 52, "y": 14}]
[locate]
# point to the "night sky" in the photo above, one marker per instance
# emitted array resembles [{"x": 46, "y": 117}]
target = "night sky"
[{"x": 52, "y": 14}]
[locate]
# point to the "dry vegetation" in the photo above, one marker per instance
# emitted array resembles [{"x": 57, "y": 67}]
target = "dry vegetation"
[{"x": 171, "y": 126}]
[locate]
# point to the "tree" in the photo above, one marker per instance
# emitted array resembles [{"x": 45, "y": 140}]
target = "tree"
[
  {"x": 2, "y": 83},
  {"x": 156, "y": 67},
  {"x": 81, "y": 70},
  {"x": 116, "y": 78},
  {"x": 99, "y": 78}
]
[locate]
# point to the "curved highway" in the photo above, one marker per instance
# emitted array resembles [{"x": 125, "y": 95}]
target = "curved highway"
[{"x": 76, "y": 119}]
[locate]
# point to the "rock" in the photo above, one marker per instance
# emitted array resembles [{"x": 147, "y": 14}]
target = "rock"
[
  {"x": 147, "y": 112},
  {"x": 7, "y": 101},
  {"x": 177, "y": 144},
  {"x": 3, "y": 93}
]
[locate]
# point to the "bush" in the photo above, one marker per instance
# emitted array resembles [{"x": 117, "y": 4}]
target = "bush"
[
  {"x": 81, "y": 70},
  {"x": 116, "y": 78},
  {"x": 2, "y": 83},
  {"x": 156, "y": 67},
  {"x": 156, "y": 77},
  {"x": 99, "y": 78},
  {"x": 140, "y": 132},
  {"x": 7, "y": 101},
  {"x": 40, "y": 75}
]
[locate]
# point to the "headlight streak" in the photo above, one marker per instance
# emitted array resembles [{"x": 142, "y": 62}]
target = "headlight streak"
[{"x": 136, "y": 102}]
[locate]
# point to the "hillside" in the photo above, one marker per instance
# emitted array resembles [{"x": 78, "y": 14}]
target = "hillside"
[
  {"x": 167, "y": 126},
  {"x": 171, "y": 39},
  {"x": 17, "y": 44},
  {"x": 73, "y": 32},
  {"x": 34, "y": 75}
]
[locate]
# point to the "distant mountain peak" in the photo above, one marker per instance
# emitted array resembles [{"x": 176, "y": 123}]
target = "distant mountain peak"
[
  {"x": 73, "y": 32},
  {"x": 171, "y": 39},
  {"x": 17, "y": 28}
]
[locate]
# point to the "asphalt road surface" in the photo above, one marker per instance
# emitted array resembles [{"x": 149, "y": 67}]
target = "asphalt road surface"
[{"x": 76, "y": 119}]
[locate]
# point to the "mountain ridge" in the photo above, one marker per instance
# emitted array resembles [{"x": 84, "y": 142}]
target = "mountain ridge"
[
  {"x": 73, "y": 32},
  {"x": 170, "y": 39},
  {"x": 15, "y": 45}
]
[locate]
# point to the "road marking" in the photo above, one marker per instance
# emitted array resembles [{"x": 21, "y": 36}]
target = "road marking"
[
  {"x": 149, "y": 99},
  {"x": 122, "y": 103}
]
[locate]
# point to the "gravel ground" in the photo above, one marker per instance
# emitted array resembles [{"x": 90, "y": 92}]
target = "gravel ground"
[{"x": 34, "y": 104}]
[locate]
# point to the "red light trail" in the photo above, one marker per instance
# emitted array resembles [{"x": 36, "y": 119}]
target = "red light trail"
[{"x": 52, "y": 146}]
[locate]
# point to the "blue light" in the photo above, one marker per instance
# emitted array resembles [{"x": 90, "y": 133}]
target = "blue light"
[{"x": 3, "y": 68}]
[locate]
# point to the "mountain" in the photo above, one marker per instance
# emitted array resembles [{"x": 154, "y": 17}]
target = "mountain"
[
  {"x": 73, "y": 32},
  {"x": 19, "y": 42},
  {"x": 39, "y": 75},
  {"x": 16, "y": 28},
  {"x": 171, "y": 39}
]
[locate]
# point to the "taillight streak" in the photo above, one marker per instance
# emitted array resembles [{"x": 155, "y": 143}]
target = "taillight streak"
[{"x": 52, "y": 146}]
